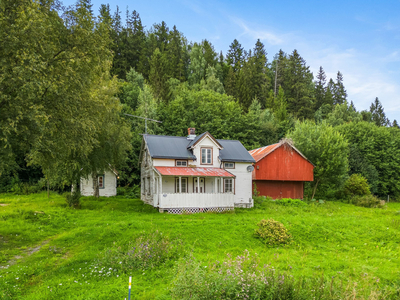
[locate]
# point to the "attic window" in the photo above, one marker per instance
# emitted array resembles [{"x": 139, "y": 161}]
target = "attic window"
[
  {"x": 181, "y": 163},
  {"x": 206, "y": 156}
]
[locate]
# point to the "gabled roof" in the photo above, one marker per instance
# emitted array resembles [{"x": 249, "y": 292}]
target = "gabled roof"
[
  {"x": 234, "y": 151},
  {"x": 259, "y": 153},
  {"x": 176, "y": 147},
  {"x": 162, "y": 146},
  {"x": 200, "y": 137}
]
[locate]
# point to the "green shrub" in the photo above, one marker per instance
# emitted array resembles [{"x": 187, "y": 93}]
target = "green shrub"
[
  {"x": 367, "y": 201},
  {"x": 273, "y": 232},
  {"x": 73, "y": 199},
  {"x": 129, "y": 192},
  {"x": 290, "y": 202},
  {"x": 356, "y": 185},
  {"x": 146, "y": 252}
]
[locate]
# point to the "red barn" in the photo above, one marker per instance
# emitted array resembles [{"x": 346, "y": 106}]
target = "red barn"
[{"x": 280, "y": 171}]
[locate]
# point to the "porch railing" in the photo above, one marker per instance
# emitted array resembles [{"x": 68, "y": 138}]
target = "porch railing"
[{"x": 200, "y": 200}]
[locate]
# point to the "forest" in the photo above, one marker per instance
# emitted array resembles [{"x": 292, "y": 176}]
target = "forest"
[{"x": 69, "y": 77}]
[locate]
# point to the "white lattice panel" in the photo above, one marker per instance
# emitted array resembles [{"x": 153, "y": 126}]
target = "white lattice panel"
[{"x": 195, "y": 210}]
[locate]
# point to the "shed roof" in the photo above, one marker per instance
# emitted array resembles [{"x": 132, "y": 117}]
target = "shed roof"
[
  {"x": 262, "y": 152},
  {"x": 186, "y": 171}
]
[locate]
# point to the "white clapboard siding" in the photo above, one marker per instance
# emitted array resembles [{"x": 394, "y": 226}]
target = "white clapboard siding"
[{"x": 201, "y": 200}]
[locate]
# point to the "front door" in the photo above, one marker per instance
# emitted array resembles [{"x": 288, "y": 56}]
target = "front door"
[{"x": 201, "y": 185}]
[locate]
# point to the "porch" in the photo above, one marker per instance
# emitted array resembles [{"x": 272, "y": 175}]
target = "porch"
[{"x": 194, "y": 202}]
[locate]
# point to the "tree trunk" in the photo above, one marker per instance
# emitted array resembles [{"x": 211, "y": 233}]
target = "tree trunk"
[
  {"x": 96, "y": 185},
  {"x": 48, "y": 188},
  {"x": 315, "y": 189}
]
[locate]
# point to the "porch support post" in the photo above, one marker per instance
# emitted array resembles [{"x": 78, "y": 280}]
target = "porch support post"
[
  {"x": 160, "y": 191},
  {"x": 222, "y": 184},
  {"x": 180, "y": 184},
  {"x": 216, "y": 185},
  {"x": 198, "y": 184}
]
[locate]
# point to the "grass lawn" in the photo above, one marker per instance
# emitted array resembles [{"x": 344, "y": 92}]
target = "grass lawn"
[{"x": 49, "y": 251}]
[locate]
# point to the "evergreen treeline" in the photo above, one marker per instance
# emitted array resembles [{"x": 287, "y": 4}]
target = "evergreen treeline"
[{"x": 237, "y": 95}]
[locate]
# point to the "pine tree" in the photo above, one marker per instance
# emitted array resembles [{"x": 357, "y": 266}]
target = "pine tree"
[
  {"x": 395, "y": 124},
  {"x": 297, "y": 83},
  {"x": 340, "y": 94},
  {"x": 320, "y": 88},
  {"x": 259, "y": 81},
  {"x": 230, "y": 82},
  {"x": 197, "y": 67},
  {"x": 176, "y": 53},
  {"x": 158, "y": 75},
  {"x": 210, "y": 56},
  {"x": 377, "y": 113},
  {"x": 235, "y": 56}
]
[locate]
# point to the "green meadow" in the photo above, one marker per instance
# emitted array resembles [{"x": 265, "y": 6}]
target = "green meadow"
[{"x": 49, "y": 251}]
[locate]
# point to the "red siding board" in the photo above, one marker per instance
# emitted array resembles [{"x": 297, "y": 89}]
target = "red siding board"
[
  {"x": 280, "y": 189},
  {"x": 284, "y": 165},
  {"x": 280, "y": 173}
]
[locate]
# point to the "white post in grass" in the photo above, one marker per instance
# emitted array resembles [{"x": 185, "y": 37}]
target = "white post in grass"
[{"x": 130, "y": 284}]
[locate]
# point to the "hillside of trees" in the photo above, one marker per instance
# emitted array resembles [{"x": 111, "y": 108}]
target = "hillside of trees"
[{"x": 70, "y": 75}]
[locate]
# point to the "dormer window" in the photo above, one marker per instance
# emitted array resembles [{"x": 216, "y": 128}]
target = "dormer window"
[
  {"x": 206, "y": 156},
  {"x": 181, "y": 163}
]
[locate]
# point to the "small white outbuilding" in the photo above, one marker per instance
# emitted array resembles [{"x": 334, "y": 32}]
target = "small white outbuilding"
[{"x": 107, "y": 184}]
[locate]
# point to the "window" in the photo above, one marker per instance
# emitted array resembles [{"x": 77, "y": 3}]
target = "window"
[
  {"x": 181, "y": 163},
  {"x": 101, "y": 181},
  {"x": 229, "y": 165},
  {"x": 183, "y": 184},
  {"x": 228, "y": 185},
  {"x": 206, "y": 156}
]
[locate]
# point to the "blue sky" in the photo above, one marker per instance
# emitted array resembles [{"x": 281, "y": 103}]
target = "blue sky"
[{"x": 359, "y": 38}]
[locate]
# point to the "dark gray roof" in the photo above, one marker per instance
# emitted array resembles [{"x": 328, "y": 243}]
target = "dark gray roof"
[
  {"x": 234, "y": 151},
  {"x": 162, "y": 146},
  {"x": 196, "y": 139},
  {"x": 176, "y": 147}
]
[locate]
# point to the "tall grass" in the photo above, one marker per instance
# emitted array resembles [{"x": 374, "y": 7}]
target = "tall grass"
[{"x": 50, "y": 251}]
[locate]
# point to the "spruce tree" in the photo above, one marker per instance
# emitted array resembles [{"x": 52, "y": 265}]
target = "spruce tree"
[
  {"x": 235, "y": 56},
  {"x": 378, "y": 115},
  {"x": 320, "y": 88},
  {"x": 340, "y": 94}
]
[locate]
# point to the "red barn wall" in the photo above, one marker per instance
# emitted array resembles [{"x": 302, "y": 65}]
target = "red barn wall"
[
  {"x": 280, "y": 189},
  {"x": 283, "y": 165}
]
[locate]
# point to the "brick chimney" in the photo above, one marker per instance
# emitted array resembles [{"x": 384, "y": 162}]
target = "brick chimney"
[{"x": 191, "y": 133}]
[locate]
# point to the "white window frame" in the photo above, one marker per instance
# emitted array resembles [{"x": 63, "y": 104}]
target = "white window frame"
[
  {"x": 183, "y": 179},
  {"x": 228, "y": 185},
  {"x": 232, "y": 165},
  {"x": 206, "y": 151},
  {"x": 181, "y": 163}
]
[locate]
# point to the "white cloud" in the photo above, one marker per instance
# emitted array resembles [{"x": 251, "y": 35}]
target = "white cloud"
[{"x": 262, "y": 34}]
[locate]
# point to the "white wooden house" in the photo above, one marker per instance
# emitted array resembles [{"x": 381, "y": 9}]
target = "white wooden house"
[
  {"x": 107, "y": 184},
  {"x": 195, "y": 173}
]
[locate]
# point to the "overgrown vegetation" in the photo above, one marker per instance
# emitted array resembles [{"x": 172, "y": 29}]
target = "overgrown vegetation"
[
  {"x": 51, "y": 252},
  {"x": 273, "y": 233}
]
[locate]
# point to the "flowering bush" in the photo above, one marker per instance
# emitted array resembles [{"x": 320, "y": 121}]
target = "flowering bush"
[
  {"x": 243, "y": 278},
  {"x": 273, "y": 232}
]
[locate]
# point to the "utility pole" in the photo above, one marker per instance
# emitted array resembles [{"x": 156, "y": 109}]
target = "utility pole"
[{"x": 145, "y": 121}]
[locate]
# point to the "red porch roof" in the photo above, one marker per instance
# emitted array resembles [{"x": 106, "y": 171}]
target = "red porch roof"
[{"x": 200, "y": 172}]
